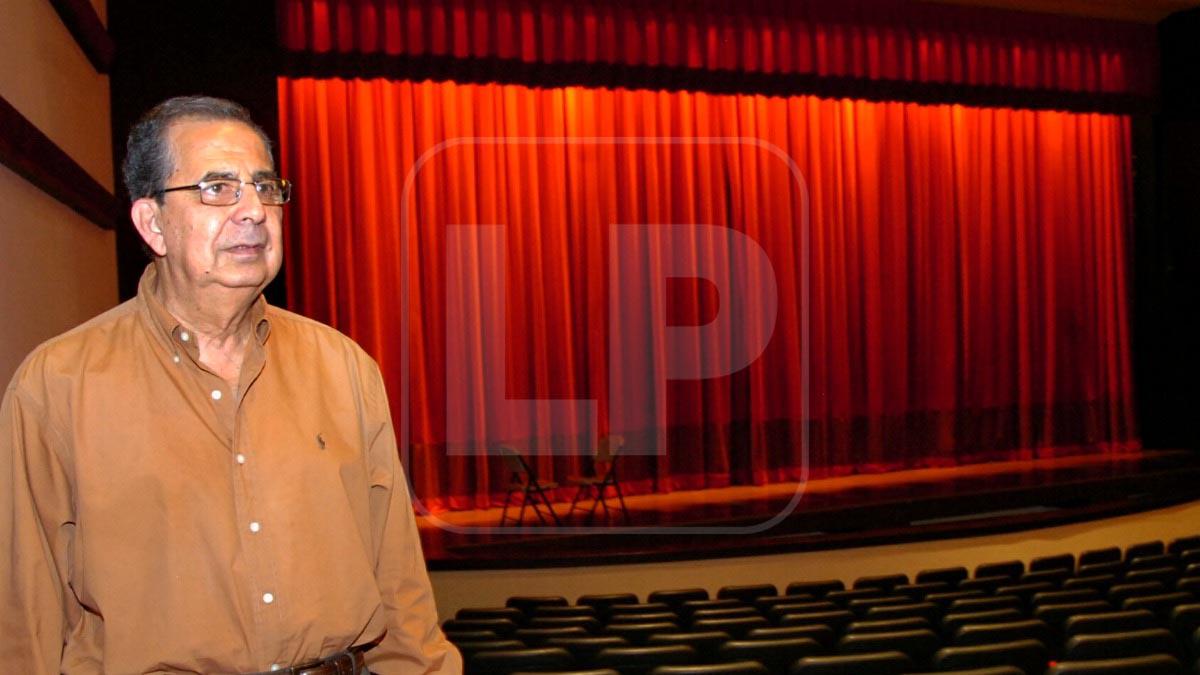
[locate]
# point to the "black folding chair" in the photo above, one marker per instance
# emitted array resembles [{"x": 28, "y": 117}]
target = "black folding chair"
[
  {"x": 525, "y": 480},
  {"x": 596, "y": 484}
]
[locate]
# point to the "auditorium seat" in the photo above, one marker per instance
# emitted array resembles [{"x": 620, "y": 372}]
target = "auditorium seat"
[
  {"x": 844, "y": 597},
  {"x": 1030, "y": 656},
  {"x": 676, "y": 597},
  {"x": 536, "y": 637},
  {"x": 1119, "y": 593},
  {"x": 923, "y": 589},
  {"x": 583, "y": 648},
  {"x": 505, "y": 661},
  {"x": 725, "y": 613},
  {"x": 821, "y": 633},
  {"x": 989, "y": 633},
  {"x": 1054, "y": 576},
  {"x": 501, "y": 627},
  {"x": 1159, "y": 664},
  {"x": 925, "y": 610},
  {"x": 884, "y": 582},
  {"x": 589, "y": 623},
  {"x": 1057, "y": 614},
  {"x": 1103, "y": 555},
  {"x": 735, "y": 626},
  {"x": 657, "y": 617},
  {"x": 563, "y": 610},
  {"x": 747, "y": 593},
  {"x": 1143, "y": 549},
  {"x": 705, "y": 643},
  {"x": 511, "y": 613},
  {"x": 1109, "y": 622},
  {"x": 527, "y": 603},
  {"x": 952, "y": 622},
  {"x": 766, "y": 603},
  {"x": 1150, "y": 561},
  {"x": 946, "y": 599},
  {"x": 816, "y": 589},
  {"x": 1167, "y": 576},
  {"x": 1161, "y": 604},
  {"x": 689, "y": 606},
  {"x": 1063, "y": 561},
  {"x": 860, "y": 606},
  {"x": 603, "y": 602},
  {"x": 1065, "y": 597},
  {"x": 1114, "y": 567},
  {"x": 1182, "y": 544},
  {"x": 1100, "y": 582},
  {"x": 835, "y": 619},
  {"x": 469, "y": 647},
  {"x": 919, "y": 645},
  {"x": 983, "y": 604},
  {"x": 1011, "y": 569},
  {"x": 948, "y": 575},
  {"x": 994, "y": 670},
  {"x": 594, "y": 671},
  {"x": 890, "y": 625},
  {"x": 737, "y": 668},
  {"x": 985, "y": 584},
  {"x": 1185, "y": 619},
  {"x": 637, "y": 609},
  {"x": 1144, "y": 642},
  {"x": 638, "y": 633},
  {"x": 639, "y": 660},
  {"x": 777, "y": 655},
  {"x": 881, "y": 663}
]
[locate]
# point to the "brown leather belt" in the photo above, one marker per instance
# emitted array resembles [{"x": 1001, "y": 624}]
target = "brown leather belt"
[{"x": 349, "y": 662}]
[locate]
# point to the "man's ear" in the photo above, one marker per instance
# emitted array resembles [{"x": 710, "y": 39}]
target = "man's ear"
[{"x": 147, "y": 219}]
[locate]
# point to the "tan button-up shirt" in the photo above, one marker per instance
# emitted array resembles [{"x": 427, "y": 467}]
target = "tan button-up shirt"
[{"x": 152, "y": 519}]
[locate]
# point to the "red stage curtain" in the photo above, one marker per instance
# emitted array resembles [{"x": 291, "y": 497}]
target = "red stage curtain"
[
  {"x": 878, "y": 40},
  {"x": 966, "y": 267}
]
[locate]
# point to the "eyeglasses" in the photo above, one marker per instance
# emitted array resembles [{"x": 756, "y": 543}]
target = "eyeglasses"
[{"x": 227, "y": 192}]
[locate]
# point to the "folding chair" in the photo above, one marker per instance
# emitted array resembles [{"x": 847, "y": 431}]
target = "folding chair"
[
  {"x": 524, "y": 480},
  {"x": 596, "y": 484}
]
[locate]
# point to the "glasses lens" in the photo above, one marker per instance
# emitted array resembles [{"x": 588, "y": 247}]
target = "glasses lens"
[
  {"x": 220, "y": 192},
  {"x": 274, "y": 191}
]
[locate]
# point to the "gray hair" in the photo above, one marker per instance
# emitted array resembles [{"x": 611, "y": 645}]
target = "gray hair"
[{"x": 148, "y": 158}]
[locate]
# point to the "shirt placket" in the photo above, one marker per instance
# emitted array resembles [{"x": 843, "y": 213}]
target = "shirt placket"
[{"x": 246, "y": 472}]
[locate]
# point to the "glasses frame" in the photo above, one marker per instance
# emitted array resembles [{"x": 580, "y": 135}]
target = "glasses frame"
[{"x": 285, "y": 189}]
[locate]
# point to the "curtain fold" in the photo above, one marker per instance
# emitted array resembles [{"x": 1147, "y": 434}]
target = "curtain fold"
[
  {"x": 868, "y": 40},
  {"x": 950, "y": 282}
]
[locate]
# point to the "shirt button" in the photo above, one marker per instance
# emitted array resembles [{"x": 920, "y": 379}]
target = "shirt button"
[
  {"x": 254, "y": 526},
  {"x": 216, "y": 394},
  {"x": 241, "y": 459},
  {"x": 276, "y": 666},
  {"x": 184, "y": 336},
  {"x": 268, "y": 598},
  {"x": 175, "y": 358}
]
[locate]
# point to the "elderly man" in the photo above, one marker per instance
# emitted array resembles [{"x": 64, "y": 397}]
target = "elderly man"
[{"x": 196, "y": 481}]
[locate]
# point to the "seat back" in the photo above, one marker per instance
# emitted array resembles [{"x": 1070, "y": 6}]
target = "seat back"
[{"x": 1159, "y": 664}]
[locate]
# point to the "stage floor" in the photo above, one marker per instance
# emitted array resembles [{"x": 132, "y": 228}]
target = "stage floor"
[{"x": 841, "y": 512}]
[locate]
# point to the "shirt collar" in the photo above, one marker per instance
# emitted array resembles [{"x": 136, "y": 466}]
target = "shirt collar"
[{"x": 167, "y": 326}]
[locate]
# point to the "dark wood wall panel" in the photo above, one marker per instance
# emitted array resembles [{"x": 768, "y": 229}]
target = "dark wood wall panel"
[
  {"x": 31, "y": 154},
  {"x": 85, "y": 26}
]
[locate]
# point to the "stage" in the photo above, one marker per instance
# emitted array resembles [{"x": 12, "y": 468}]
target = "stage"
[{"x": 853, "y": 511}]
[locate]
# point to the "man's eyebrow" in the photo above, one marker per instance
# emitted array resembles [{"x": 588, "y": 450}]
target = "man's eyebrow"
[
  {"x": 219, "y": 175},
  {"x": 265, "y": 173}
]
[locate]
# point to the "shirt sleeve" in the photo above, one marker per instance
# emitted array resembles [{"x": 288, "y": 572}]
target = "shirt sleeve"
[
  {"x": 36, "y": 533},
  {"x": 414, "y": 642}
]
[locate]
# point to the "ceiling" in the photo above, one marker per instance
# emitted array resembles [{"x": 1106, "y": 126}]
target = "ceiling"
[{"x": 1144, "y": 11}]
